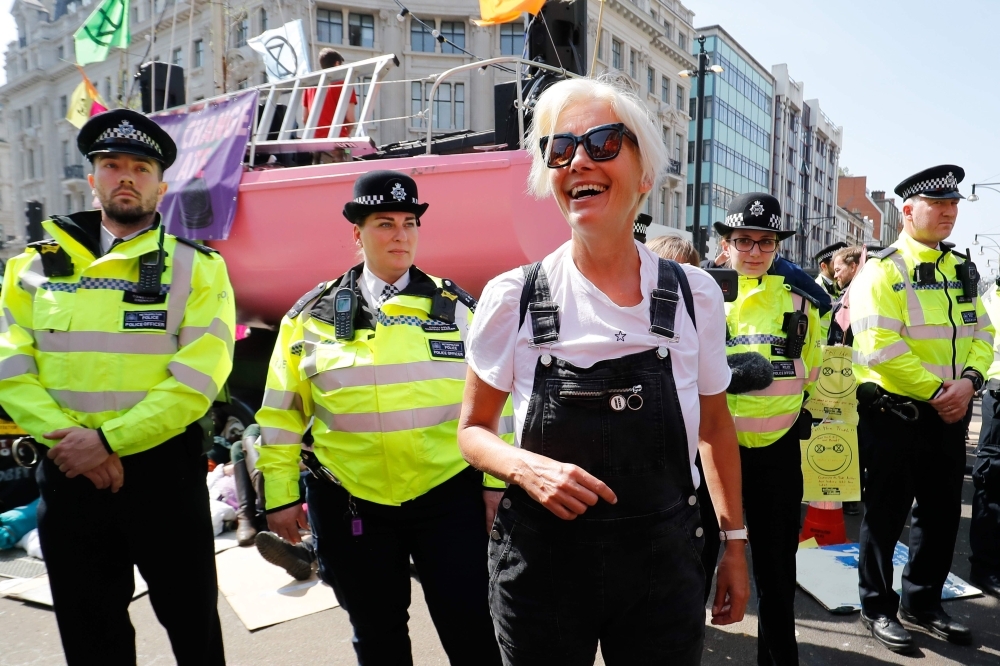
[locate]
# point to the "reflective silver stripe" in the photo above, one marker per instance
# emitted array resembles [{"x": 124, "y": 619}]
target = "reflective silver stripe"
[
  {"x": 94, "y": 402},
  {"x": 282, "y": 399},
  {"x": 7, "y": 321},
  {"x": 877, "y": 321},
  {"x": 15, "y": 366},
  {"x": 894, "y": 350},
  {"x": 309, "y": 341},
  {"x": 33, "y": 277},
  {"x": 507, "y": 425},
  {"x": 782, "y": 387},
  {"x": 936, "y": 332},
  {"x": 382, "y": 375},
  {"x": 405, "y": 419},
  {"x": 113, "y": 343},
  {"x": 912, "y": 302},
  {"x": 985, "y": 336},
  {"x": 943, "y": 371},
  {"x": 279, "y": 436},
  {"x": 766, "y": 423},
  {"x": 195, "y": 379},
  {"x": 983, "y": 321},
  {"x": 180, "y": 286},
  {"x": 218, "y": 328}
]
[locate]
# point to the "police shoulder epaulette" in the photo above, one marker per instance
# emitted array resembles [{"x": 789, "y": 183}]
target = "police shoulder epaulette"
[
  {"x": 882, "y": 254},
  {"x": 465, "y": 297},
  {"x": 805, "y": 294},
  {"x": 198, "y": 246},
  {"x": 38, "y": 245},
  {"x": 300, "y": 304}
]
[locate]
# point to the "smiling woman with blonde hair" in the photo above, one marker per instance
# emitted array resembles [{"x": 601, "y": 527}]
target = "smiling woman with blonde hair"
[{"x": 597, "y": 537}]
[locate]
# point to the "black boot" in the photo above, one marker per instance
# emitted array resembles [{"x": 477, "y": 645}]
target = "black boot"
[
  {"x": 297, "y": 559},
  {"x": 245, "y": 531}
]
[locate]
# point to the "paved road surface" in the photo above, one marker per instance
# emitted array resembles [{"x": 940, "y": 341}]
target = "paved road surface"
[{"x": 28, "y": 634}]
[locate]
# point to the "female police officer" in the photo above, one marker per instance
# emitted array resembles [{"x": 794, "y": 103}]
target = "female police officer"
[
  {"x": 597, "y": 537},
  {"x": 782, "y": 323},
  {"x": 376, "y": 360}
]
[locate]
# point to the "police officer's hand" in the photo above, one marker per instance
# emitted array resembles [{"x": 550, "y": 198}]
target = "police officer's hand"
[
  {"x": 565, "y": 490},
  {"x": 78, "y": 451},
  {"x": 953, "y": 402},
  {"x": 108, "y": 474},
  {"x": 732, "y": 587},
  {"x": 286, "y": 523}
]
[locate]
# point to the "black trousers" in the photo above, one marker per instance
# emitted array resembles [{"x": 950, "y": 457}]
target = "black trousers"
[
  {"x": 91, "y": 538},
  {"x": 772, "y": 498},
  {"x": 984, "y": 536},
  {"x": 922, "y": 460},
  {"x": 444, "y": 531},
  {"x": 710, "y": 525}
]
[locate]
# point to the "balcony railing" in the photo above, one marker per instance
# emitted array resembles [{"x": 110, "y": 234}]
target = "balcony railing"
[
  {"x": 674, "y": 167},
  {"x": 73, "y": 171}
]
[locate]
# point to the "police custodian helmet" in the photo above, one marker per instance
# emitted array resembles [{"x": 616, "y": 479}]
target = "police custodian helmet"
[
  {"x": 126, "y": 131},
  {"x": 383, "y": 191},
  {"x": 754, "y": 210}
]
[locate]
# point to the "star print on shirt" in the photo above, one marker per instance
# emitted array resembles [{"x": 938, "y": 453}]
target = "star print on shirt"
[{"x": 619, "y": 336}]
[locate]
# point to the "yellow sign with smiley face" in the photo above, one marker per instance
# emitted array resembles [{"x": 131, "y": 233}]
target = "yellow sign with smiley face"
[{"x": 830, "y": 470}]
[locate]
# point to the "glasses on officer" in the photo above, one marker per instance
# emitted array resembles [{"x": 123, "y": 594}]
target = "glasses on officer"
[
  {"x": 766, "y": 245},
  {"x": 601, "y": 143}
]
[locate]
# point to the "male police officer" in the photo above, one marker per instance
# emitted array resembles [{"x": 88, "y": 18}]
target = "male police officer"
[
  {"x": 826, "y": 278},
  {"x": 116, "y": 339},
  {"x": 921, "y": 349}
]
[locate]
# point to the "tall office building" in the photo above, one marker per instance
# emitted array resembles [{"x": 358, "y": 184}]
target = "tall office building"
[
  {"x": 736, "y": 144},
  {"x": 805, "y": 162},
  {"x": 892, "y": 218}
]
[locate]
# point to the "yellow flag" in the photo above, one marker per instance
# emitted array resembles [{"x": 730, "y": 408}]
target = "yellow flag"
[
  {"x": 504, "y": 11},
  {"x": 86, "y": 102}
]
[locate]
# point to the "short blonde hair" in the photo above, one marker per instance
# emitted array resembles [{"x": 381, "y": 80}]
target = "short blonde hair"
[
  {"x": 674, "y": 247},
  {"x": 625, "y": 106}
]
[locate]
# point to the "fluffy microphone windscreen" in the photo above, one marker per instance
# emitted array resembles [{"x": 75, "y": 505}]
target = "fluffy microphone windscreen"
[{"x": 751, "y": 372}]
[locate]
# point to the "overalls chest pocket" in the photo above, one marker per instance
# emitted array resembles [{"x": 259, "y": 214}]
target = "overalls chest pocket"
[{"x": 609, "y": 427}]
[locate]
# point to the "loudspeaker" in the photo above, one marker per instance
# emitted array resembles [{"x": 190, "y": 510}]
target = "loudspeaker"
[
  {"x": 567, "y": 46},
  {"x": 33, "y": 211},
  {"x": 174, "y": 92},
  {"x": 505, "y": 115}
]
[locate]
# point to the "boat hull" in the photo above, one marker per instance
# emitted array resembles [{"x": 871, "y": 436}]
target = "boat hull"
[{"x": 289, "y": 233}]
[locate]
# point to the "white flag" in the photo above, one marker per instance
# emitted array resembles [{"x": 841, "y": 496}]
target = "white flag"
[{"x": 285, "y": 51}]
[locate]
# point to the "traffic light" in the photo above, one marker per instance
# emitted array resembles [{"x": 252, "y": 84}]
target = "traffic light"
[{"x": 33, "y": 211}]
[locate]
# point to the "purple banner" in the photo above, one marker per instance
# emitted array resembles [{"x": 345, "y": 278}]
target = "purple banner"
[{"x": 203, "y": 182}]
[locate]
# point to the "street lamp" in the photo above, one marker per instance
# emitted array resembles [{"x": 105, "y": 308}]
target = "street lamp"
[
  {"x": 975, "y": 239},
  {"x": 702, "y": 71},
  {"x": 975, "y": 197},
  {"x": 805, "y": 236}
]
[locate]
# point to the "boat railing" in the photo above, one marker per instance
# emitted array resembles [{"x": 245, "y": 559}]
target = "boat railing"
[{"x": 483, "y": 64}]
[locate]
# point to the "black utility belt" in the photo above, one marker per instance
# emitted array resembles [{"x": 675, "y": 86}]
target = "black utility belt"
[{"x": 874, "y": 397}]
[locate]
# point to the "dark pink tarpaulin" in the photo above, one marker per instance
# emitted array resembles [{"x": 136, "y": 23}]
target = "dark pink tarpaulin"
[{"x": 203, "y": 182}]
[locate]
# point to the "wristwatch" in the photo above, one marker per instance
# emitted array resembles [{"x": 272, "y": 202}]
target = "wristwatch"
[
  {"x": 733, "y": 535},
  {"x": 974, "y": 377}
]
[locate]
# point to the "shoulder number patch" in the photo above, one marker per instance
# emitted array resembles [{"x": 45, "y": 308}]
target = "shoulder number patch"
[
  {"x": 447, "y": 348},
  {"x": 150, "y": 320}
]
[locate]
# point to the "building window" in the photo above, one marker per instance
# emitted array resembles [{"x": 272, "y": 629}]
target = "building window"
[
  {"x": 690, "y": 152},
  {"x": 512, "y": 39},
  {"x": 329, "y": 26},
  {"x": 263, "y": 19},
  {"x": 600, "y": 46},
  {"x": 454, "y": 32},
  {"x": 65, "y": 154},
  {"x": 449, "y": 105},
  {"x": 680, "y": 98},
  {"x": 199, "y": 53},
  {"x": 421, "y": 38},
  {"x": 665, "y": 90},
  {"x": 63, "y": 106},
  {"x": 690, "y": 195},
  {"x": 61, "y": 52},
  {"x": 616, "y": 54},
  {"x": 668, "y": 30},
  {"x": 678, "y": 143},
  {"x": 706, "y": 193},
  {"x": 31, "y": 121},
  {"x": 107, "y": 89},
  {"x": 664, "y": 220},
  {"x": 692, "y": 106},
  {"x": 177, "y": 57},
  {"x": 651, "y": 80},
  {"x": 682, "y": 40},
  {"x": 242, "y": 33},
  {"x": 416, "y": 104},
  {"x": 243, "y": 85},
  {"x": 677, "y": 210},
  {"x": 631, "y": 63},
  {"x": 361, "y": 30},
  {"x": 30, "y": 158}
]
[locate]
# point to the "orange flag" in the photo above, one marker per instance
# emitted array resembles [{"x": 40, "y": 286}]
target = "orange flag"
[
  {"x": 504, "y": 11},
  {"x": 86, "y": 102}
]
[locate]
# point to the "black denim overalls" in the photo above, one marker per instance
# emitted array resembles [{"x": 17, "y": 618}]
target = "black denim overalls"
[{"x": 627, "y": 574}]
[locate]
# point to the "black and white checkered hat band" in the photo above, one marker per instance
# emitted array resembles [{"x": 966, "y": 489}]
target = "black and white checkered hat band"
[
  {"x": 376, "y": 199},
  {"x": 941, "y": 183},
  {"x": 736, "y": 220},
  {"x": 126, "y": 130}
]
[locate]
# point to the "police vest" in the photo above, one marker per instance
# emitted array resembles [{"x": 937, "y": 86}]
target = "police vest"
[
  {"x": 754, "y": 322},
  {"x": 910, "y": 335},
  {"x": 82, "y": 345},
  {"x": 384, "y": 406}
]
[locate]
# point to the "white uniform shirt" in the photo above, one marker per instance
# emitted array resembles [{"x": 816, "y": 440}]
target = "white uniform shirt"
[
  {"x": 593, "y": 329},
  {"x": 108, "y": 239},
  {"x": 372, "y": 286}
]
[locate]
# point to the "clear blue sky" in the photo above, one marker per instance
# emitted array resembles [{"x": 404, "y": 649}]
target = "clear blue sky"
[{"x": 912, "y": 82}]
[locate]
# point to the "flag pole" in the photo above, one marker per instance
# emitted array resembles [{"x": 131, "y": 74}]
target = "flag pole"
[
  {"x": 170, "y": 56},
  {"x": 190, "y": 52},
  {"x": 152, "y": 44}
]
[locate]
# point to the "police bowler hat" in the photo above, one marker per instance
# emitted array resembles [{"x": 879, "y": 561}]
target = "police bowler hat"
[{"x": 382, "y": 191}]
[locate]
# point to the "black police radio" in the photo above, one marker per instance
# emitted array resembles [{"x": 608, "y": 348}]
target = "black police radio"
[
  {"x": 151, "y": 267},
  {"x": 345, "y": 303},
  {"x": 795, "y": 327},
  {"x": 968, "y": 275}
]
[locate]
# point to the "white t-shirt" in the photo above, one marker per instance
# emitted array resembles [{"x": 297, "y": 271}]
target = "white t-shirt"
[{"x": 593, "y": 328}]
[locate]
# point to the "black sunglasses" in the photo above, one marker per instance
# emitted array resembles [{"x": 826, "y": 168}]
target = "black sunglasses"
[{"x": 601, "y": 143}]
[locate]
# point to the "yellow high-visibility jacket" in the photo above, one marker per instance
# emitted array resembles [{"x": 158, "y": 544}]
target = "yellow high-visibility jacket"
[
  {"x": 88, "y": 350},
  {"x": 991, "y": 301},
  {"x": 383, "y": 407},
  {"x": 754, "y": 322},
  {"x": 833, "y": 289},
  {"x": 908, "y": 337}
]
